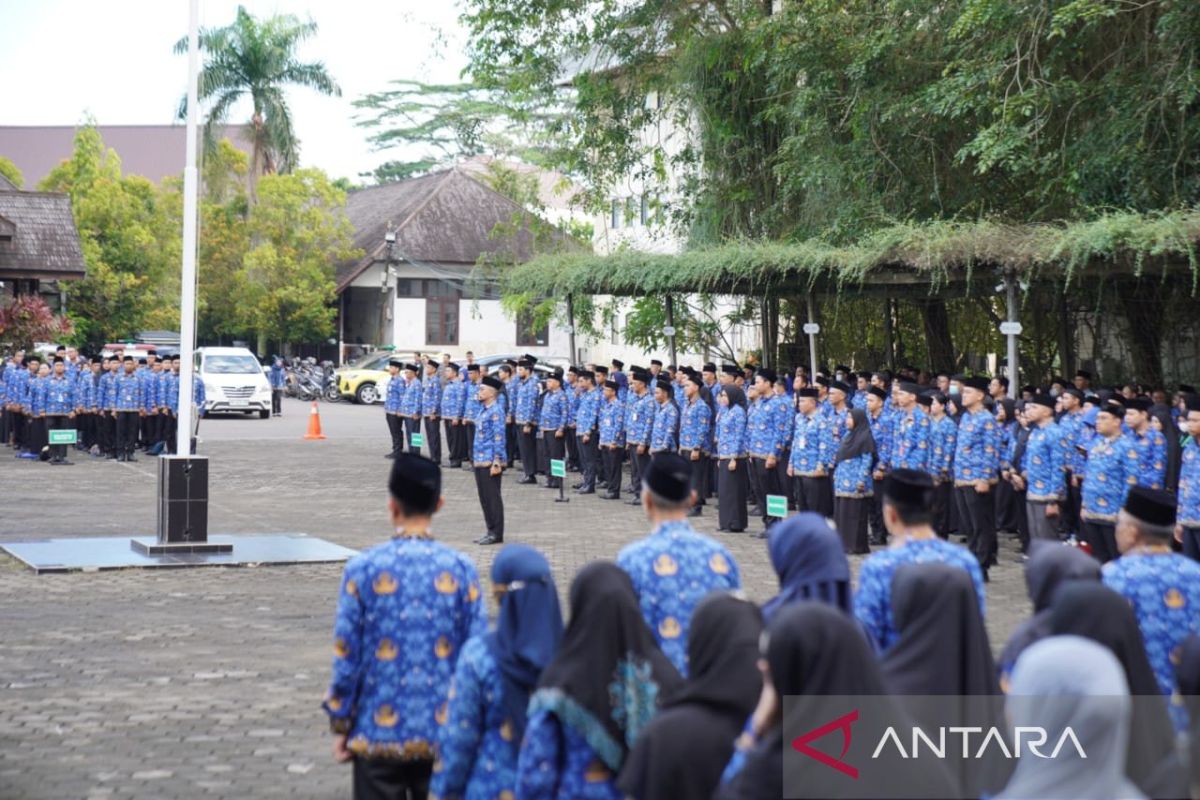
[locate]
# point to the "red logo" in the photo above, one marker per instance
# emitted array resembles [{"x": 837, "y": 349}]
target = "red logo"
[{"x": 801, "y": 743}]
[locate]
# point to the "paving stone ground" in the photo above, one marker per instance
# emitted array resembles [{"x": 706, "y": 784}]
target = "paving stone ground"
[{"x": 206, "y": 683}]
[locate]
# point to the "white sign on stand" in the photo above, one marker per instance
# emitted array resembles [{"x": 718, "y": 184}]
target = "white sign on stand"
[
  {"x": 1010, "y": 328},
  {"x": 812, "y": 328}
]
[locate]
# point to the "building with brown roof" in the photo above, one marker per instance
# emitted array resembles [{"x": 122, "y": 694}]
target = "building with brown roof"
[
  {"x": 39, "y": 244},
  {"x": 417, "y": 287}
]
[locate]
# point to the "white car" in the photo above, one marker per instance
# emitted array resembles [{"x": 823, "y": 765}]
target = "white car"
[{"x": 233, "y": 381}]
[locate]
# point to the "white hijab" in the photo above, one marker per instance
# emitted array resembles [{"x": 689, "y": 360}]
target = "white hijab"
[{"x": 1071, "y": 681}]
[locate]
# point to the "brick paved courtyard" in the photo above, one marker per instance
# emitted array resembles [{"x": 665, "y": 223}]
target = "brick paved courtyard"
[{"x": 207, "y": 682}]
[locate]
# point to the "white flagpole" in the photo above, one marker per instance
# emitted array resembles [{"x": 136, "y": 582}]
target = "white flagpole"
[{"x": 187, "y": 300}]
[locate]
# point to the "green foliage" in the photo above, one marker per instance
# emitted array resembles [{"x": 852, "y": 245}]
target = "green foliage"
[
  {"x": 9, "y": 170},
  {"x": 256, "y": 59}
]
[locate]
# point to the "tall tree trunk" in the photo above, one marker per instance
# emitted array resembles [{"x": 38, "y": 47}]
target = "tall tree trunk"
[
  {"x": 1066, "y": 337},
  {"x": 1144, "y": 309},
  {"x": 937, "y": 333}
]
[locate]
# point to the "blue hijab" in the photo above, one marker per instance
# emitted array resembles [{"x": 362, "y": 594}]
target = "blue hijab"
[
  {"x": 809, "y": 559},
  {"x": 529, "y": 626}
]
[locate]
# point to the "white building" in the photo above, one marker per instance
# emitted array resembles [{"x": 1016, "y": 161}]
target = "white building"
[{"x": 418, "y": 288}]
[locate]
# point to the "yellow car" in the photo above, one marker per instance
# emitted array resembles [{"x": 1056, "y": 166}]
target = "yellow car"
[{"x": 365, "y": 380}]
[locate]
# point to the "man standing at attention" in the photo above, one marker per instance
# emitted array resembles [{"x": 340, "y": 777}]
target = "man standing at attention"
[
  {"x": 674, "y": 567},
  {"x": 405, "y": 609},
  {"x": 976, "y": 467}
]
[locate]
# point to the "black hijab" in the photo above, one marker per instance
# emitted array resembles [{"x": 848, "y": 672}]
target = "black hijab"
[
  {"x": 815, "y": 651},
  {"x": 1170, "y": 432},
  {"x": 1050, "y": 566},
  {"x": 1094, "y": 611},
  {"x": 1010, "y": 412},
  {"x": 735, "y": 394},
  {"x": 859, "y": 440},
  {"x": 609, "y": 676},
  {"x": 684, "y": 749}
]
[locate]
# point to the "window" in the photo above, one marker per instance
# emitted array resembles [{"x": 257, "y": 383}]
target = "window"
[
  {"x": 615, "y": 222},
  {"x": 630, "y": 210},
  {"x": 441, "y": 313},
  {"x": 526, "y": 336},
  {"x": 645, "y": 212},
  {"x": 614, "y": 331}
]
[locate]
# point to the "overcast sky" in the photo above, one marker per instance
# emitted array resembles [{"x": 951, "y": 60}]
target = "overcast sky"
[{"x": 61, "y": 59}]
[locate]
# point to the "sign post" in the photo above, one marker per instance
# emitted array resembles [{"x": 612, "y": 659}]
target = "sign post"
[
  {"x": 64, "y": 436},
  {"x": 558, "y": 469},
  {"x": 777, "y": 506},
  {"x": 416, "y": 440}
]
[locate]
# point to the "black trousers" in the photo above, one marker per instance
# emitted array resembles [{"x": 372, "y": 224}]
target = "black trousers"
[
  {"x": 714, "y": 464},
  {"x": 463, "y": 451},
  {"x": 1006, "y": 506},
  {"x": 433, "y": 439},
  {"x": 1068, "y": 515},
  {"x": 19, "y": 426},
  {"x": 510, "y": 442},
  {"x": 543, "y": 452},
  {"x": 785, "y": 483},
  {"x": 1102, "y": 536},
  {"x": 572, "y": 449},
  {"x": 850, "y": 516},
  {"x": 36, "y": 434},
  {"x": 412, "y": 425},
  {"x": 812, "y": 494},
  {"x": 277, "y": 401},
  {"x": 5, "y": 426},
  {"x": 57, "y": 422},
  {"x": 1023, "y": 520},
  {"x": 107, "y": 426},
  {"x": 527, "y": 450},
  {"x": 731, "y": 495},
  {"x": 699, "y": 474},
  {"x": 451, "y": 440},
  {"x": 589, "y": 455},
  {"x": 170, "y": 429},
  {"x": 127, "y": 431},
  {"x": 943, "y": 508},
  {"x": 637, "y": 463},
  {"x": 390, "y": 779},
  {"x": 875, "y": 518},
  {"x": 396, "y": 431},
  {"x": 556, "y": 449},
  {"x": 468, "y": 435},
  {"x": 768, "y": 483},
  {"x": 977, "y": 514},
  {"x": 613, "y": 457},
  {"x": 490, "y": 501}
]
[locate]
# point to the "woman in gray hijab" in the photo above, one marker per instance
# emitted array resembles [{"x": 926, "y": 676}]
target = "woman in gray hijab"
[{"x": 1049, "y": 690}]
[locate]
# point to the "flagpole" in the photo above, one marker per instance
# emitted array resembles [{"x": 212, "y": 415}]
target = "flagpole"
[{"x": 187, "y": 300}]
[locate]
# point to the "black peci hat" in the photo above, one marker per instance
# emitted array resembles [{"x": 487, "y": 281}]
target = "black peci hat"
[
  {"x": 731, "y": 369},
  {"x": 1151, "y": 506},
  {"x": 809, "y": 392},
  {"x": 415, "y": 483},
  {"x": 839, "y": 386},
  {"x": 877, "y": 392},
  {"x": 669, "y": 476},
  {"x": 1043, "y": 400},
  {"x": 493, "y": 382},
  {"x": 618, "y": 363},
  {"x": 767, "y": 374},
  {"x": 909, "y": 487},
  {"x": 665, "y": 385},
  {"x": 616, "y": 387}
]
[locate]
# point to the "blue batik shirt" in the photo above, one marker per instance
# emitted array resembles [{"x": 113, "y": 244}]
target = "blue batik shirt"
[
  {"x": 454, "y": 399},
  {"x": 394, "y": 398},
  {"x": 810, "y": 442},
  {"x": 405, "y": 609},
  {"x": 1152, "y": 458},
  {"x": 573, "y": 395},
  {"x": 640, "y": 419},
  {"x": 410, "y": 401},
  {"x": 1043, "y": 466},
  {"x": 554, "y": 411},
  {"x": 666, "y": 419},
  {"x": 1189, "y": 485},
  {"x": 1164, "y": 590},
  {"x": 672, "y": 570},
  {"x": 129, "y": 392},
  {"x": 84, "y": 388},
  {"x": 524, "y": 411},
  {"x": 490, "y": 442},
  {"x": 835, "y": 422},
  {"x": 976, "y": 453},
  {"x": 881, "y": 431},
  {"x": 910, "y": 441},
  {"x": 108, "y": 392},
  {"x": 612, "y": 423},
  {"x": 477, "y": 748},
  {"x": 1074, "y": 432},
  {"x": 764, "y": 427},
  {"x": 587, "y": 416},
  {"x": 473, "y": 405},
  {"x": 859, "y": 400},
  {"x": 557, "y": 763},
  {"x": 852, "y": 477},
  {"x": 873, "y": 600},
  {"x": 171, "y": 392},
  {"x": 60, "y": 396},
  {"x": 694, "y": 425},
  {"x": 1112, "y": 467},
  {"x": 431, "y": 395},
  {"x": 731, "y": 433}
]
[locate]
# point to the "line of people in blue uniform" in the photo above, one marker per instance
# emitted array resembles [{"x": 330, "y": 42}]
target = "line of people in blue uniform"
[
  {"x": 1054, "y": 465},
  {"x": 115, "y": 404},
  {"x": 667, "y": 683}
]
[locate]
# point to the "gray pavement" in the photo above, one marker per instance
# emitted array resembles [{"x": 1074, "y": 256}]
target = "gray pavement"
[{"x": 207, "y": 682}]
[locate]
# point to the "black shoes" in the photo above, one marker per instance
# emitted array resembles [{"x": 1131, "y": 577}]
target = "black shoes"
[
  {"x": 610, "y": 496},
  {"x": 390, "y": 455},
  {"x": 489, "y": 540},
  {"x": 695, "y": 512},
  {"x": 527, "y": 480},
  {"x": 586, "y": 491}
]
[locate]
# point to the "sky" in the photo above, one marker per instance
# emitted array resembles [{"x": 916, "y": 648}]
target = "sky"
[{"x": 63, "y": 59}]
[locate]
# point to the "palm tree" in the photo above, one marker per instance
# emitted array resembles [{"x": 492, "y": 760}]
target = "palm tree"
[{"x": 256, "y": 58}]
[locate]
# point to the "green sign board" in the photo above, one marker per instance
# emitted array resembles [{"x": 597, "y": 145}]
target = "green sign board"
[
  {"x": 416, "y": 440},
  {"x": 64, "y": 436},
  {"x": 558, "y": 468},
  {"x": 776, "y": 505}
]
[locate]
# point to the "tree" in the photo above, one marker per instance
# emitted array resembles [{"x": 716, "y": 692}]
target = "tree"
[
  {"x": 257, "y": 58},
  {"x": 27, "y": 320},
  {"x": 10, "y": 170}
]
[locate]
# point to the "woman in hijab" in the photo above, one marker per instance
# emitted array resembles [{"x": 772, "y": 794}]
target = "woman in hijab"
[
  {"x": 1096, "y": 612},
  {"x": 484, "y": 719},
  {"x": 807, "y": 555},
  {"x": 1050, "y": 566},
  {"x": 1007, "y": 430},
  {"x": 853, "y": 486},
  {"x": 1051, "y": 691},
  {"x": 681, "y": 753},
  {"x": 732, "y": 486},
  {"x": 1160, "y": 420},
  {"x": 811, "y": 651},
  {"x": 1012, "y": 466},
  {"x": 597, "y": 694},
  {"x": 943, "y": 650}
]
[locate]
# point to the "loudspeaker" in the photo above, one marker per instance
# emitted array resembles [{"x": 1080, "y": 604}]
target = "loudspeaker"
[{"x": 182, "y": 499}]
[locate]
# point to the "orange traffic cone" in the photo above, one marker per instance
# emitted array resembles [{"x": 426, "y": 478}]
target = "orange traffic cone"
[{"x": 314, "y": 424}]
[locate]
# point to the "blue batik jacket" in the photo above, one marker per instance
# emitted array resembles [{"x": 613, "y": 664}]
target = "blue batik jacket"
[
  {"x": 694, "y": 425},
  {"x": 1152, "y": 458},
  {"x": 910, "y": 441},
  {"x": 1189, "y": 485},
  {"x": 731, "y": 433},
  {"x": 811, "y": 440},
  {"x": 639, "y": 421},
  {"x": 490, "y": 436},
  {"x": 666, "y": 421},
  {"x": 977, "y": 449},
  {"x": 1112, "y": 467},
  {"x": 1043, "y": 465},
  {"x": 612, "y": 423},
  {"x": 852, "y": 477}
]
